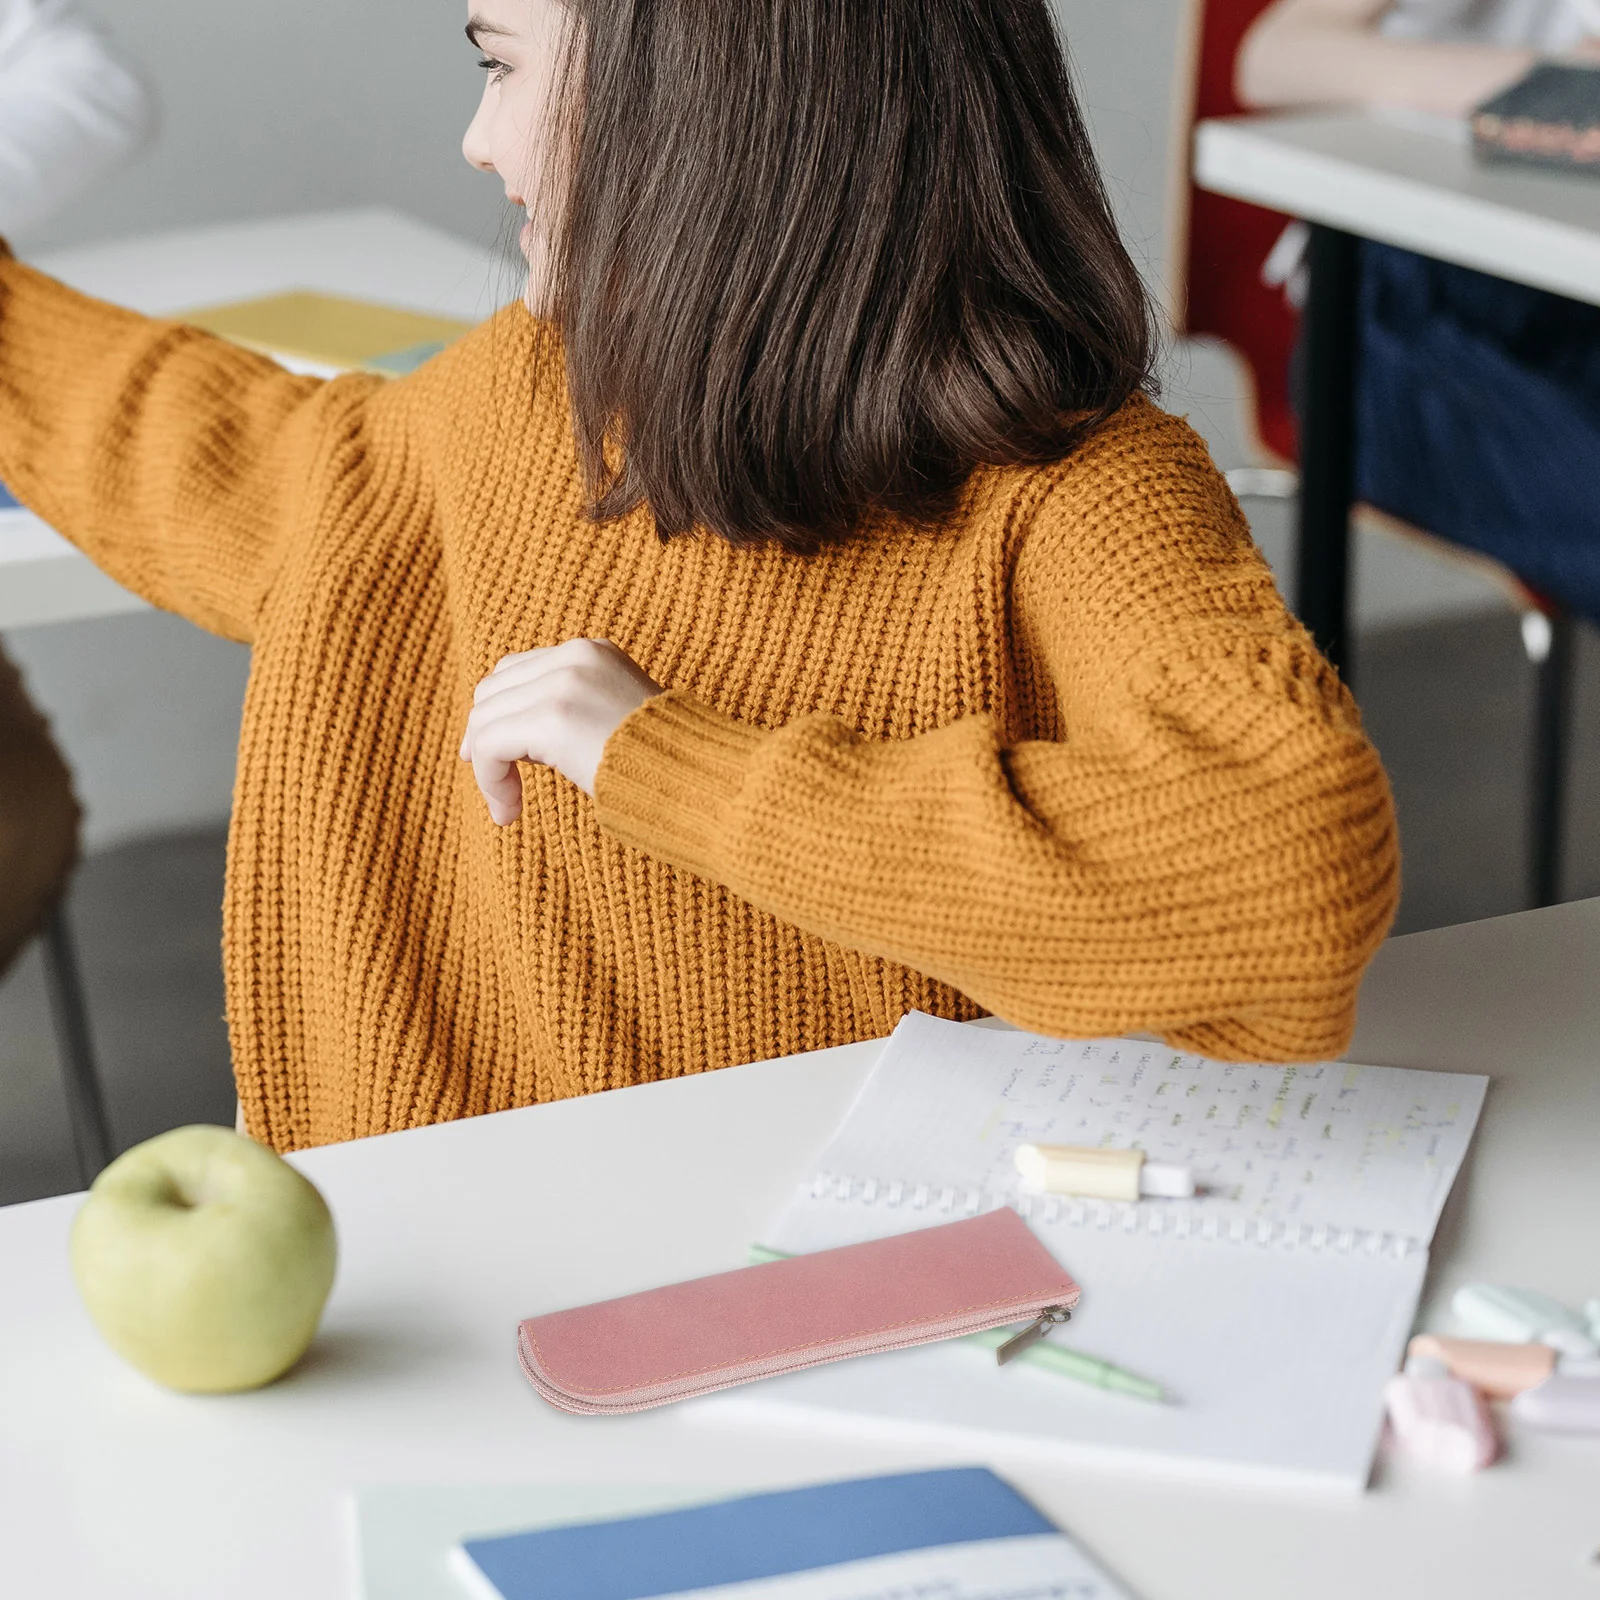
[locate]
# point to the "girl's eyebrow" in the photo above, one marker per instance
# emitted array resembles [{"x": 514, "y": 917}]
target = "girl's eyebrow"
[{"x": 480, "y": 28}]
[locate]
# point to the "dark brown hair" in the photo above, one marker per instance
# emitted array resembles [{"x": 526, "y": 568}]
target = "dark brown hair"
[{"x": 821, "y": 257}]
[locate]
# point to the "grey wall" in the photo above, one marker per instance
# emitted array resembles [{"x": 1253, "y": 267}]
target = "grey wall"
[
  {"x": 294, "y": 105},
  {"x": 269, "y": 106},
  {"x": 277, "y": 106},
  {"x": 1125, "y": 56}
]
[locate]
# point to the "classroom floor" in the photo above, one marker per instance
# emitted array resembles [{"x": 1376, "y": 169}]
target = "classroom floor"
[{"x": 1449, "y": 705}]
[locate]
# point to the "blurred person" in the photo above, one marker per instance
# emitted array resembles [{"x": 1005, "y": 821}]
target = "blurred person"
[
  {"x": 70, "y": 112},
  {"x": 1439, "y": 56},
  {"x": 1478, "y": 400},
  {"x": 792, "y": 612}
]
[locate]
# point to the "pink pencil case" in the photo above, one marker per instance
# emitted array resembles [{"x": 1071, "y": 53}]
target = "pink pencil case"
[{"x": 690, "y": 1338}]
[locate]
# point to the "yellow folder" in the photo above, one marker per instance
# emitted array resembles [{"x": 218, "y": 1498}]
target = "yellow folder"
[{"x": 333, "y": 331}]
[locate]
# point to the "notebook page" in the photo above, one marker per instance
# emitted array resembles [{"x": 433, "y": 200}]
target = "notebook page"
[
  {"x": 1273, "y": 1306},
  {"x": 1277, "y": 1359},
  {"x": 956, "y": 1533},
  {"x": 1298, "y": 1151},
  {"x": 405, "y": 1532}
]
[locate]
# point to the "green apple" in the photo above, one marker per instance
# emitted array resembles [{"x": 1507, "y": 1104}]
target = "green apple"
[{"x": 204, "y": 1260}]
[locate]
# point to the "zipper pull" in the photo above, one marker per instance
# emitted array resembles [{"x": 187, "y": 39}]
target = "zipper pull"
[{"x": 1050, "y": 1317}]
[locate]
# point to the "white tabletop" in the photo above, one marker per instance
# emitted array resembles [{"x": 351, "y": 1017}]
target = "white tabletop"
[
  {"x": 1414, "y": 186},
  {"x": 369, "y": 254},
  {"x": 450, "y": 1234}
]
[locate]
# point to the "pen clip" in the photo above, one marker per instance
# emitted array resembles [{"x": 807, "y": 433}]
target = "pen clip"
[{"x": 1050, "y": 1317}]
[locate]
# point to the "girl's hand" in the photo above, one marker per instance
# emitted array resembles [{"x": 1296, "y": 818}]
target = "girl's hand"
[{"x": 556, "y": 706}]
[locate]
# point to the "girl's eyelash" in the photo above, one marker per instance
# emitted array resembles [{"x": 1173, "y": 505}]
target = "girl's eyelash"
[{"x": 496, "y": 69}]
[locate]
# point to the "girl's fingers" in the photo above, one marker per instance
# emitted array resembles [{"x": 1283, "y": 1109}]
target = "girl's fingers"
[
  {"x": 494, "y": 746},
  {"x": 542, "y": 706},
  {"x": 530, "y": 665},
  {"x": 513, "y": 708},
  {"x": 514, "y": 734},
  {"x": 501, "y": 788},
  {"x": 495, "y": 699},
  {"x": 515, "y": 683},
  {"x": 512, "y": 670}
]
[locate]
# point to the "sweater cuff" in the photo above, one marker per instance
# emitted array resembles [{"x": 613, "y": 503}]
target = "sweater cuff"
[{"x": 669, "y": 776}]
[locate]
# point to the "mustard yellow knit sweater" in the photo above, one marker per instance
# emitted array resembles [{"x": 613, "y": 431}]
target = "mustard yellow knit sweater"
[{"x": 1069, "y": 761}]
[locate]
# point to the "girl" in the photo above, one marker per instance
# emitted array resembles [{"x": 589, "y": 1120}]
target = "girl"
[
  {"x": 794, "y": 613},
  {"x": 1439, "y": 56}
]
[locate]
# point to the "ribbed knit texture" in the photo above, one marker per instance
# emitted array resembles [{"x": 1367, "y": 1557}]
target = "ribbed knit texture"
[{"x": 1068, "y": 761}]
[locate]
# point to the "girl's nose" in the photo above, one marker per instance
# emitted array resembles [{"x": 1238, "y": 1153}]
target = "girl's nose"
[{"x": 474, "y": 143}]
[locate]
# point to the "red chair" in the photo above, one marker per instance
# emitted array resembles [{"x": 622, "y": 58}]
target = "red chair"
[{"x": 1229, "y": 240}]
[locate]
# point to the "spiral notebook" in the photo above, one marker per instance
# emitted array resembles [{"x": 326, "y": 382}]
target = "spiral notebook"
[
  {"x": 1273, "y": 1305},
  {"x": 957, "y": 1533}
]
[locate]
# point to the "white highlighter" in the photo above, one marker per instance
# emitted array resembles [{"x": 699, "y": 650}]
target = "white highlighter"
[{"x": 1101, "y": 1174}]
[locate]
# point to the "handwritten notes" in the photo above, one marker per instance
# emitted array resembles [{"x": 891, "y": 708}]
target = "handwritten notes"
[
  {"x": 1275, "y": 1303},
  {"x": 1328, "y": 1146}
]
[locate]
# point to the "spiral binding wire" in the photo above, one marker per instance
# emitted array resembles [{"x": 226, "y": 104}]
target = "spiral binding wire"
[{"x": 1176, "y": 1218}]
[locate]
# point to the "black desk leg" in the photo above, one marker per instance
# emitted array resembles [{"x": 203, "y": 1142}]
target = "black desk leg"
[
  {"x": 86, "y": 1107},
  {"x": 1327, "y": 443},
  {"x": 1548, "y": 820}
]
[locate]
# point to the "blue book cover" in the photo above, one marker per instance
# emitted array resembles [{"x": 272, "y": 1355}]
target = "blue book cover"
[
  {"x": 959, "y": 1532},
  {"x": 8, "y": 501}
]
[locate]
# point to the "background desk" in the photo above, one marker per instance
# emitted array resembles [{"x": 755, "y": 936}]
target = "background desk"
[
  {"x": 1355, "y": 176},
  {"x": 1361, "y": 176},
  {"x": 369, "y": 254},
  {"x": 449, "y": 1234},
  {"x": 1418, "y": 189}
]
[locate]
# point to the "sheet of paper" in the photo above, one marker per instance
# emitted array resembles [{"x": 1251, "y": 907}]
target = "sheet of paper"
[
  {"x": 405, "y": 1532},
  {"x": 1328, "y": 1147},
  {"x": 955, "y": 1533},
  {"x": 1277, "y": 1359},
  {"x": 1044, "y": 1567},
  {"x": 1273, "y": 1306}
]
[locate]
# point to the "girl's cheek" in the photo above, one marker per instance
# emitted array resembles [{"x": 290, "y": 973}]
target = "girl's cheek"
[{"x": 513, "y": 155}]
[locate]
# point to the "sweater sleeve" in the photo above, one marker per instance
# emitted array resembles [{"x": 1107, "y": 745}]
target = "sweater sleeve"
[
  {"x": 176, "y": 462},
  {"x": 1202, "y": 846}
]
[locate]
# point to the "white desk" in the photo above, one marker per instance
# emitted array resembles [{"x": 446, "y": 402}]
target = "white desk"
[
  {"x": 450, "y": 1234},
  {"x": 1354, "y": 175},
  {"x": 370, "y": 254},
  {"x": 1358, "y": 176},
  {"x": 1424, "y": 191}
]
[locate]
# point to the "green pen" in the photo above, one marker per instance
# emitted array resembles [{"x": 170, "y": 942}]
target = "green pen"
[
  {"x": 1078, "y": 1366},
  {"x": 1054, "y": 1358}
]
